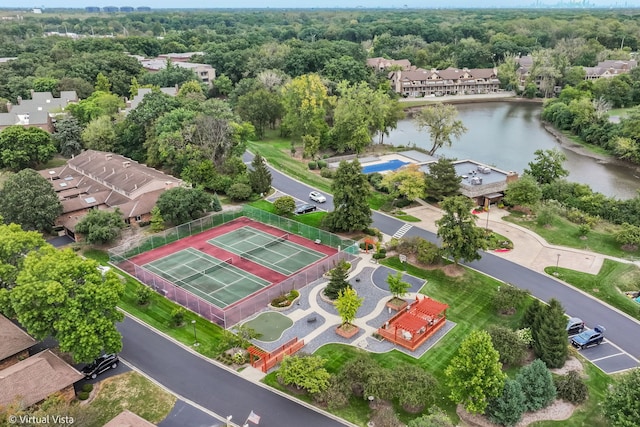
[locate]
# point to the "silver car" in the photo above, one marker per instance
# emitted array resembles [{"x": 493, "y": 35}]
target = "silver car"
[{"x": 317, "y": 197}]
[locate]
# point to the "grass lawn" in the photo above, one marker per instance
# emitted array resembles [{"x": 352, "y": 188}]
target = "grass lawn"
[
  {"x": 621, "y": 112},
  {"x": 277, "y": 152},
  {"x": 590, "y": 147},
  {"x": 312, "y": 219},
  {"x": 564, "y": 233},
  {"x": 407, "y": 218},
  {"x": 57, "y": 161},
  {"x": 134, "y": 392},
  {"x": 157, "y": 314},
  {"x": 609, "y": 285}
]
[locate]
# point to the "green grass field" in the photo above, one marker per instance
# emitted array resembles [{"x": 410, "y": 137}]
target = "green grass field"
[
  {"x": 609, "y": 285},
  {"x": 270, "y": 325},
  {"x": 564, "y": 233}
]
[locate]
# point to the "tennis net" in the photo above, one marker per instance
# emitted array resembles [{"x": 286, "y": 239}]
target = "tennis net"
[
  {"x": 273, "y": 242},
  {"x": 217, "y": 266}
]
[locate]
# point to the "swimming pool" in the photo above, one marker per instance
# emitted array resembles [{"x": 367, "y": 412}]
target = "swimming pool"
[{"x": 390, "y": 165}]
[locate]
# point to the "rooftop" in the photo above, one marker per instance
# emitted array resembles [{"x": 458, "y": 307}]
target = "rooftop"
[{"x": 13, "y": 340}]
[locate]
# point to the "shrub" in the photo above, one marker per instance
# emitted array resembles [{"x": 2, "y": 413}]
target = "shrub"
[
  {"x": 511, "y": 348},
  {"x": 143, "y": 295},
  {"x": 379, "y": 255},
  {"x": 88, "y": 387},
  {"x": 83, "y": 395},
  {"x": 428, "y": 253},
  {"x": 507, "y": 409},
  {"x": 239, "y": 358},
  {"x": 402, "y": 202},
  {"x": 177, "y": 316},
  {"x": 327, "y": 173},
  {"x": 571, "y": 388},
  {"x": 239, "y": 192},
  {"x": 293, "y": 294},
  {"x": 284, "y": 205},
  {"x": 508, "y": 299},
  {"x": 366, "y": 246},
  {"x": 409, "y": 245},
  {"x": 322, "y": 164},
  {"x": 583, "y": 229},
  {"x": 312, "y": 165},
  {"x": 375, "y": 179}
]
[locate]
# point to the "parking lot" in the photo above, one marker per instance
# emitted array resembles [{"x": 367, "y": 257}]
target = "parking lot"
[
  {"x": 319, "y": 206},
  {"x": 609, "y": 357}
]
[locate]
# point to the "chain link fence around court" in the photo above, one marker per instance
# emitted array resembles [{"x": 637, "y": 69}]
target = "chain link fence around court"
[{"x": 236, "y": 312}]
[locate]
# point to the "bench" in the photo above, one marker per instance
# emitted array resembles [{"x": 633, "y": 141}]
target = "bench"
[{"x": 312, "y": 319}]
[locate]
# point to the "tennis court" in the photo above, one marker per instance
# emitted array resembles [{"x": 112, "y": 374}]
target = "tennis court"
[
  {"x": 215, "y": 280},
  {"x": 274, "y": 252}
]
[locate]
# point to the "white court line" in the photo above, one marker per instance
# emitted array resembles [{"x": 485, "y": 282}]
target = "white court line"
[{"x": 606, "y": 357}]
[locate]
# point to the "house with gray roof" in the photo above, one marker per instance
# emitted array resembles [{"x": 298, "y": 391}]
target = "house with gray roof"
[
  {"x": 205, "y": 72},
  {"x": 100, "y": 180},
  {"x": 39, "y": 111},
  {"x": 14, "y": 343}
]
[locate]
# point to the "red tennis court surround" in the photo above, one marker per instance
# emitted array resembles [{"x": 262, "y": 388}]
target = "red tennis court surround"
[{"x": 245, "y": 305}]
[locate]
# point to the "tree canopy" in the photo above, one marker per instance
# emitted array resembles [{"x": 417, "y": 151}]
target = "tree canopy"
[
  {"x": 101, "y": 226},
  {"x": 461, "y": 238},
  {"x": 60, "y": 294},
  {"x": 350, "y": 191},
  {"x": 29, "y": 200},
  {"x": 180, "y": 205},
  {"x": 25, "y": 147},
  {"x": 441, "y": 121},
  {"x": 547, "y": 166}
]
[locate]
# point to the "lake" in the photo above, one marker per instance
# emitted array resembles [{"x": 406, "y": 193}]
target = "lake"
[{"x": 506, "y": 134}]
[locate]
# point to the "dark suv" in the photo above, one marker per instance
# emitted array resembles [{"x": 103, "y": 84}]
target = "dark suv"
[
  {"x": 589, "y": 338},
  {"x": 306, "y": 208},
  {"x": 101, "y": 364}
]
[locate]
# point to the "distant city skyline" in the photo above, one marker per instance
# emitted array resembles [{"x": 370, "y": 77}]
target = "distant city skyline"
[{"x": 325, "y": 4}]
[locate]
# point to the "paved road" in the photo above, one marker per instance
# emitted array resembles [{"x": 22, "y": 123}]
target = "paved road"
[
  {"x": 208, "y": 385},
  {"x": 620, "y": 328}
]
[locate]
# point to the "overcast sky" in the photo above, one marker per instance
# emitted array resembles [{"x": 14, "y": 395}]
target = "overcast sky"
[{"x": 158, "y": 4}]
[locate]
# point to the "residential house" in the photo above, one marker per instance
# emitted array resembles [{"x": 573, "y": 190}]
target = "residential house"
[
  {"x": 180, "y": 57},
  {"x": 136, "y": 100},
  {"x": 382, "y": 64},
  {"x": 127, "y": 418},
  {"x": 416, "y": 83},
  {"x": 205, "y": 72},
  {"x": 14, "y": 343},
  {"x": 39, "y": 111},
  {"x": 35, "y": 378},
  {"x": 100, "y": 180}
]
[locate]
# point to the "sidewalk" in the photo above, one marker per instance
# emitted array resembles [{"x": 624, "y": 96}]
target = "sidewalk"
[{"x": 530, "y": 250}]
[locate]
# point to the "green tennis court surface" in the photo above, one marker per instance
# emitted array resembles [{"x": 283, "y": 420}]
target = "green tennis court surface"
[
  {"x": 274, "y": 252},
  {"x": 215, "y": 280}
]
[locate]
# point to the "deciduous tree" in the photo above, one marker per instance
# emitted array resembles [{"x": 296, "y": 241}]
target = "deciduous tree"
[
  {"x": 180, "y": 205},
  {"x": 101, "y": 226},
  {"x": 547, "y": 166},
  {"x": 407, "y": 182},
  {"x": 397, "y": 286},
  {"x": 29, "y": 199},
  {"x": 350, "y": 191},
  {"x": 305, "y": 372},
  {"x": 508, "y": 343},
  {"x": 15, "y": 244},
  {"x": 306, "y": 104},
  {"x": 461, "y": 237},
  {"x": 347, "y": 305},
  {"x": 440, "y": 120},
  {"x": 622, "y": 400},
  {"x": 523, "y": 192},
  {"x": 62, "y": 295},
  {"x": 25, "y": 147},
  {"x": 475, "y": 375}
]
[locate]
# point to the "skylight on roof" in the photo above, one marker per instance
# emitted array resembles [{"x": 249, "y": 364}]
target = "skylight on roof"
[
  {"x": 68, "y": 178},
  {"x": 52, "y": 172},
  {"x": 63, "y": 184},
  {"x": 90, "y": 200}
]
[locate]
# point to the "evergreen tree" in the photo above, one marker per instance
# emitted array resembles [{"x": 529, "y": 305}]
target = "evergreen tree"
[
  {"x": 551, "y": 337},
  {"x": 442, "y": 180},
  {"x": 216, "y": 206},
  {"x": 507, "y": 409},
  {"x": 259, "y": 175},
  {"x": 157, "y": 222},
  {"x": 461, "y": 237},
  {"x": 338, "y": 281},
  {"x": 537, "y": 385},
  {"x": 531, "y": 317},
  {"x": 350, "y": 192}
]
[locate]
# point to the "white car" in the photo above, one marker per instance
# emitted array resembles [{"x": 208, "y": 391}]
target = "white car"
[{"x": 317, "y": 197}]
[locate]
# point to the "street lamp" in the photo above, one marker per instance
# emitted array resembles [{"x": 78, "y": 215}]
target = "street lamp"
[
  {"x": 486, "y": 227},
  {"x": 195, "y": 338},
  {"x": 557, "y": 263}
]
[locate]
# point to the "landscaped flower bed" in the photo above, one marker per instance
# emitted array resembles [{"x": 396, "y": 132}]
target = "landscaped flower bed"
[{"x": 284, "y": 301}]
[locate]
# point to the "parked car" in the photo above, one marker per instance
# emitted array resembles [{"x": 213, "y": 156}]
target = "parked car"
[
  {"x": 303, "y": 209},
  {"x": 588, "y": 338},
  {"x": 318, "y": 197},
  {"x": 101, "y": 364},
  {"x": 575, "y": 325}
]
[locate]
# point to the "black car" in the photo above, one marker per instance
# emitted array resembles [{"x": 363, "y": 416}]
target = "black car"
[
  {"x": 306, "y": 208},
  {"x": 588, "y": 338},
  {"x": 101, "y": 364},
  {"x": 575, "y": 325}
]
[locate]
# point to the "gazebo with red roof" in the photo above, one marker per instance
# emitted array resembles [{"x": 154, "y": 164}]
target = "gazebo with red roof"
[{"x": 413, "y": 325}]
